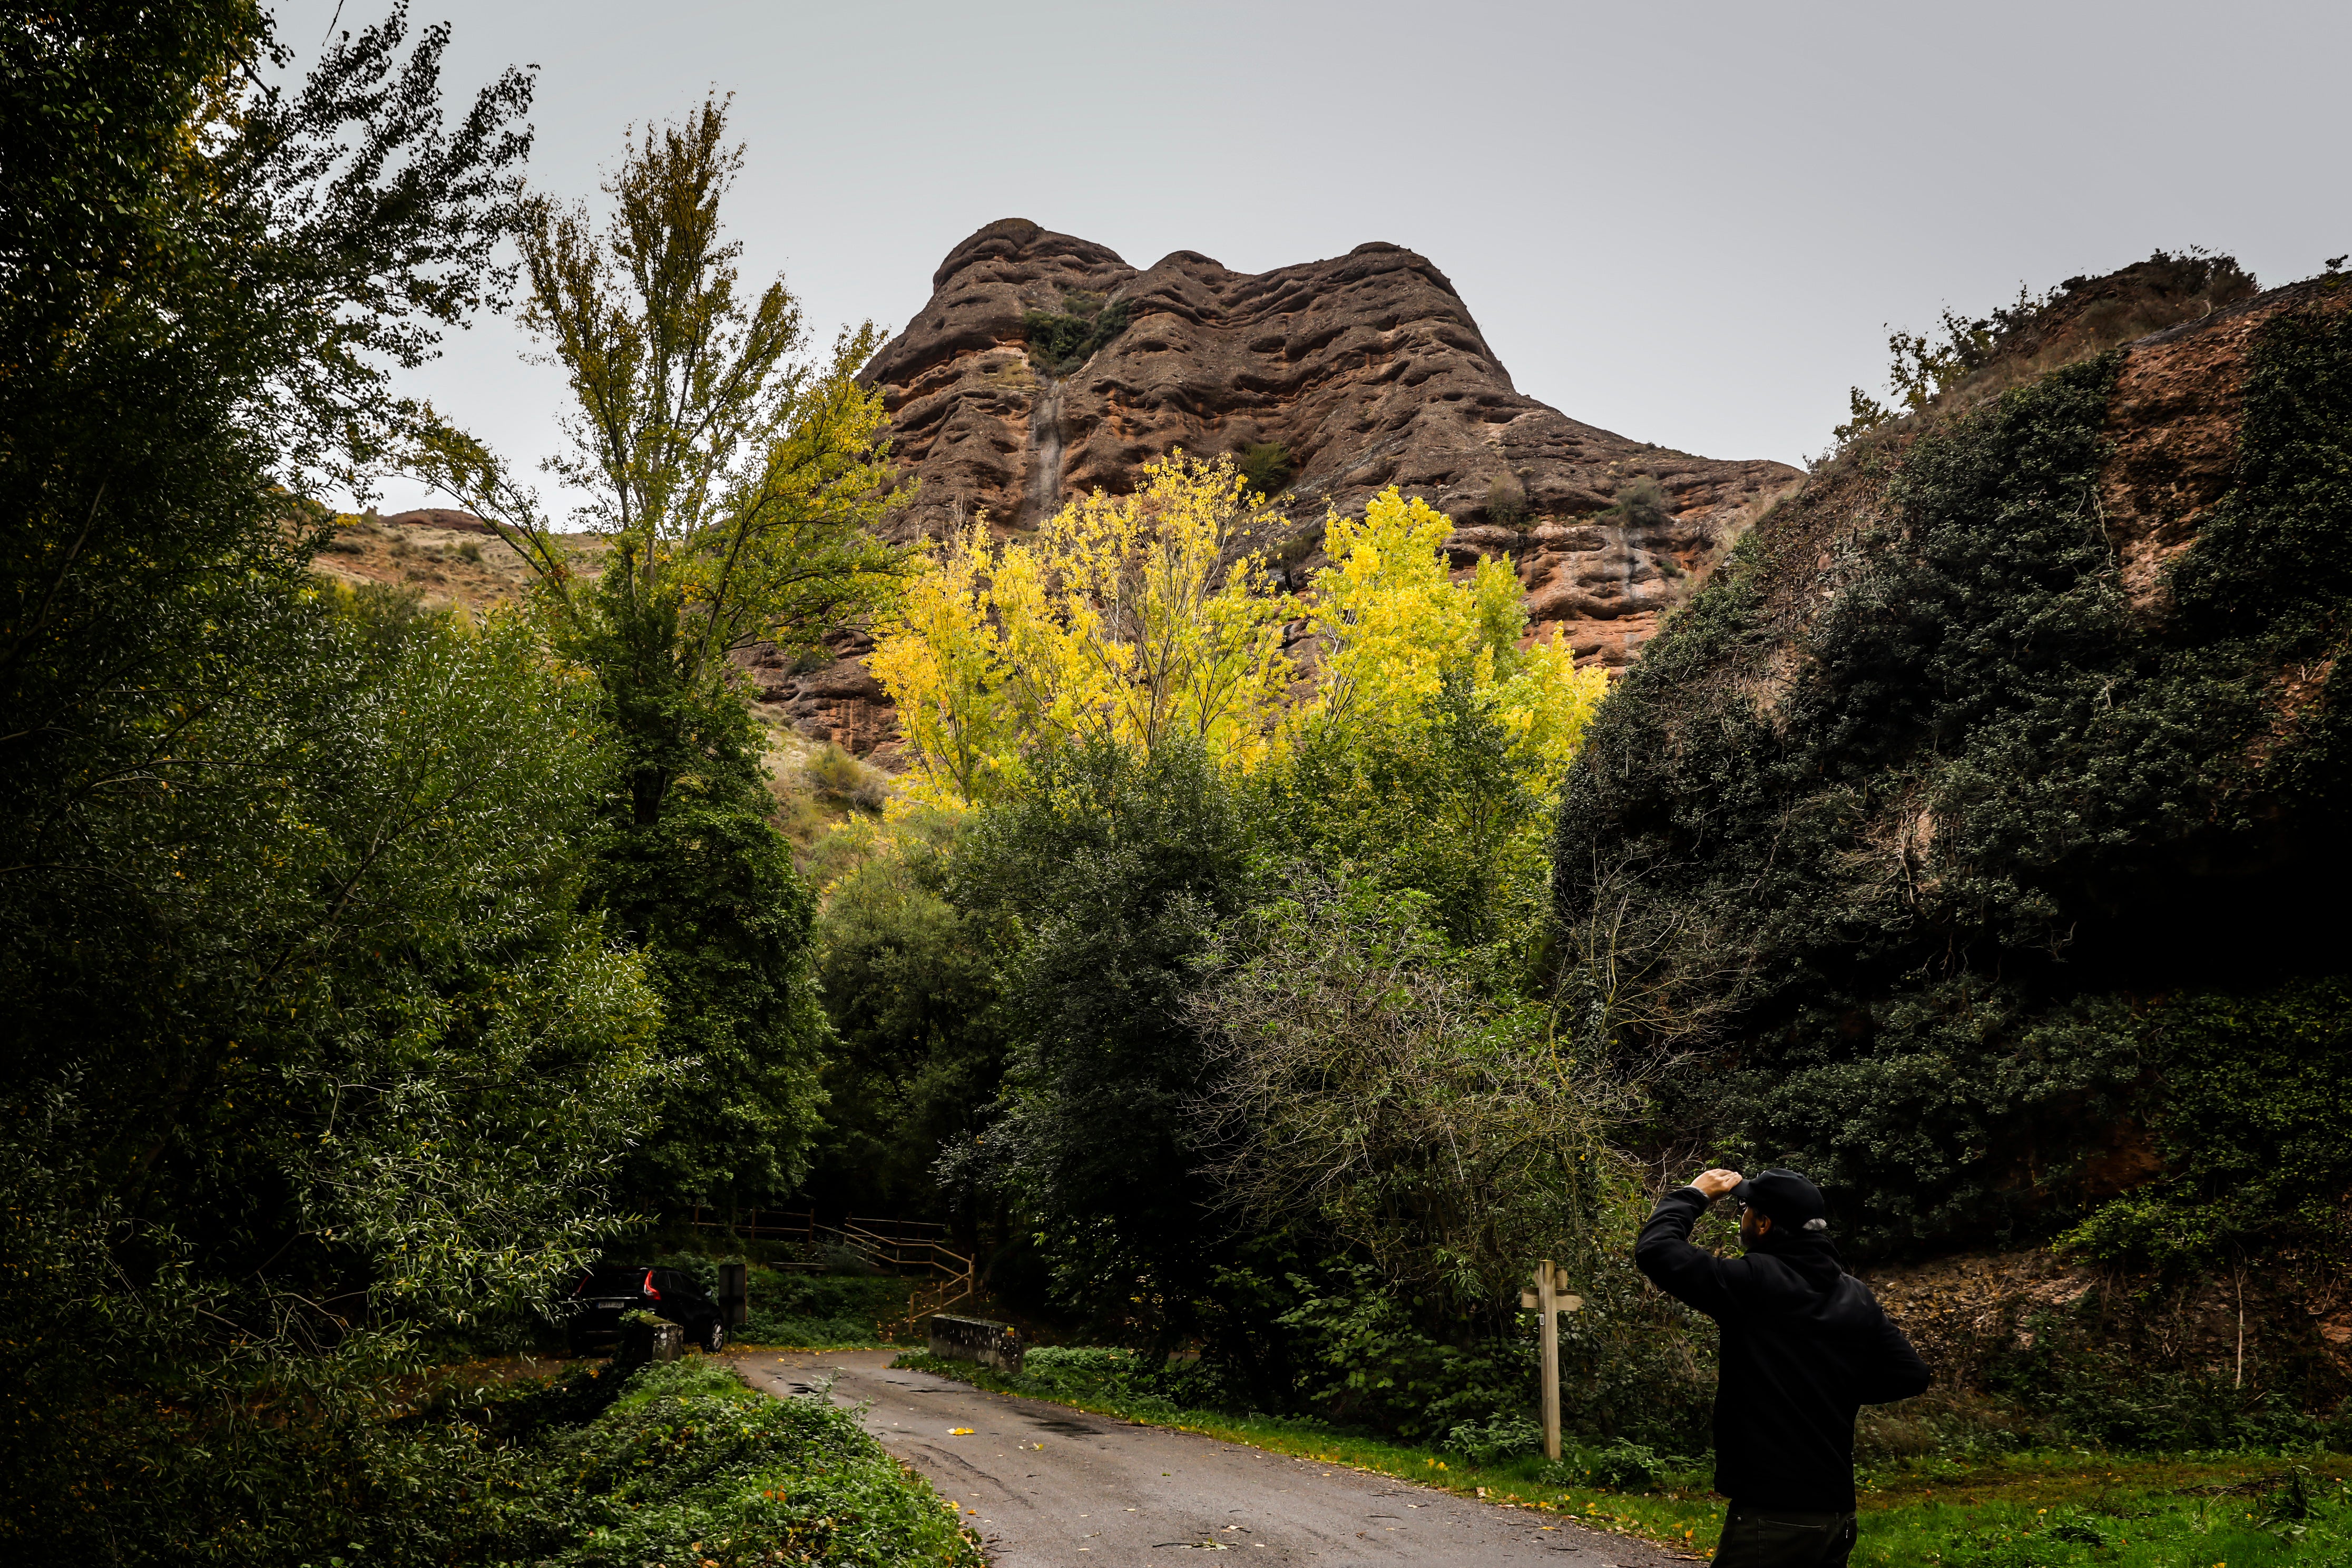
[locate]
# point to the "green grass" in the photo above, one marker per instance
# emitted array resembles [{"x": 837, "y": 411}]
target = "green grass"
[
  {"x": 2146, "y": 1511},
  {"x": 2030, "y": 1509},
  {"x": 690, "y": 1464}
]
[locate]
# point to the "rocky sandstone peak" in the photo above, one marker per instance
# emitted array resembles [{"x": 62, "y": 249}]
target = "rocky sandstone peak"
[{"x": 1043, "y": 365}]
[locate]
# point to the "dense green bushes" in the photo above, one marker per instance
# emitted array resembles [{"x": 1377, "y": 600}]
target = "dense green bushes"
[
  {"x": 919, "y": 1048},
  {"x": 681, "y": 1462},
  {"x": 1065, "y": 340},
  {"x": 1231, "y": 1077},
  {"x": 1956, "y": 647},
  {"x": 793, "y": 1308},
  {"x": 1101, "y": 885},
  {"x": 688, "y": 1465},
  {"x": 2252, "y": 1112},
  {"x": 321, "y": 1080},
  {"x": 796, "y": 1306},
  {"x": 1951, "y": 830}
]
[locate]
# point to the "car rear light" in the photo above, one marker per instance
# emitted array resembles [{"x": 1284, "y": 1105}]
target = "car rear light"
[{"x": 650, "y": 1290}]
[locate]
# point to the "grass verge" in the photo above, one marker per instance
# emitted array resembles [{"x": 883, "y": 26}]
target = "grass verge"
[
  {"x": 684, "y": 1463},
  {"x": 2029, "y": 1510},
  {"x": 690, "y": 1464}
]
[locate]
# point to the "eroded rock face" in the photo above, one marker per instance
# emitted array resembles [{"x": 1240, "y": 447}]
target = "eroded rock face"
[
  {"x": 2173, "y": 426},
  {"x": 831, "y": 695},
  {"x": 1368, "y": 369}
]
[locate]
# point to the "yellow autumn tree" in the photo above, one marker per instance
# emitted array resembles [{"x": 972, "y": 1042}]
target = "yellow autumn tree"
[
  {"x": 1119, "y": 621},
  {"x": 1395, "y": 626},
  {"x": 1127, "y": 619},
  {"x": 1428, "y": 755}
]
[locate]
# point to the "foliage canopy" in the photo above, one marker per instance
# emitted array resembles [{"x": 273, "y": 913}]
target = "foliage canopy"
[
  {"x": 1141, "y": 619},
  {"x": 1965, "y": 816},
  {"x": 732, "y": 489}
]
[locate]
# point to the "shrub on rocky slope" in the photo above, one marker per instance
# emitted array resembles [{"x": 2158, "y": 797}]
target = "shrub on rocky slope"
[{"x": 1988, "y": 784}]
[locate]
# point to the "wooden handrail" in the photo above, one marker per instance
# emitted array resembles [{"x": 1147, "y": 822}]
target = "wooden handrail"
[
  {"x": 905, "y": 1250},
  {"x": 794, "y": 1225},
  {"x": 881, "y": 1243},
  {"x": 894, "y": 1227}
]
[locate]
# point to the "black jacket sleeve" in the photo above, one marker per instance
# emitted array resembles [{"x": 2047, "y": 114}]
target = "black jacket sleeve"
[
  {"x": 1894, "y": 1369},
  {"x": 1664, "y": 1253}
]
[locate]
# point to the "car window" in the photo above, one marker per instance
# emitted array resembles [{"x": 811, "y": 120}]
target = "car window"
[{"x": 612, "y": 1279}]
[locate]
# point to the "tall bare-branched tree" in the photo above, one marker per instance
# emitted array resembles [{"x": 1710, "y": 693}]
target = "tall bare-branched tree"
[
  {"x": 1365, "y": 1085},
  {"x": 731, "y": 484},
  {"x": 731, "y": 487}
]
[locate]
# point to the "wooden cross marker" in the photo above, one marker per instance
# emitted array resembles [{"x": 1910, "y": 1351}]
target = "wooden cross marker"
[{"x": 1550, "y": 1297}]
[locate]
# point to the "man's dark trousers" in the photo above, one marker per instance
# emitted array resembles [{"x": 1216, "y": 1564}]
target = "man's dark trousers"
[{"x": 1774, "y": 1538}]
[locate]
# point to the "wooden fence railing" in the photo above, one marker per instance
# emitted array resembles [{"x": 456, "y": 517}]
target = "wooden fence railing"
[
  {"x": 758, "y": 1225},
  {"x": 891, "y": 1245}
]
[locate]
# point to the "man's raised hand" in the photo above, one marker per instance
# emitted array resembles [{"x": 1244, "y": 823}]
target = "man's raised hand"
[{"x": 1716, "y": 1182}]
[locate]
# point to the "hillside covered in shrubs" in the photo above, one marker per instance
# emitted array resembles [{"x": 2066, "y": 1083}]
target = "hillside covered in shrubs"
[{"x": 1971, "y": 841}]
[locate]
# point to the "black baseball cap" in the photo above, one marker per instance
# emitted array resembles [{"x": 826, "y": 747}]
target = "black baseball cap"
[{"x": 1786, "y": 1198}]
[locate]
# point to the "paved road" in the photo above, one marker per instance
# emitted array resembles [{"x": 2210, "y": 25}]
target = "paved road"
[{"x": 1048, "y": 1487}]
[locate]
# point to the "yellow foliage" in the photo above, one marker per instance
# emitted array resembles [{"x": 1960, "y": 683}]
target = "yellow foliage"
[
  {"x": 1398, "y": 624},
  {"x": 944, "y": 661},
  {"x": 1115, "y": 622}
]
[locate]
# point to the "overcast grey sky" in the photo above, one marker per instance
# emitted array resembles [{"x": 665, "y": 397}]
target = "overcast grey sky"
[{"x": 1690, "y": 223}]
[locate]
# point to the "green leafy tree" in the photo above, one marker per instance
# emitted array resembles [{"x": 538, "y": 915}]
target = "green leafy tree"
[
  {"x": 709, "y": 894},
  {"x": 1367, "y": 1082},
  {"x": 204, "y": 283},
  {"x": 312, "y": 1050},
  {"x": 911, "y": 986},
  {"x": 330, "y": 1059},
  {"x": 1103, "y": 879},
  {"x": 1391, "y": 1138},
  {"x": 1449, "y": 808},
  {"x": 732, "y": 486}
]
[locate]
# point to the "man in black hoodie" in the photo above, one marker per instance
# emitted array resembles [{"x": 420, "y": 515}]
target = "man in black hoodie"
[{"x": 1804, "y": 1346}]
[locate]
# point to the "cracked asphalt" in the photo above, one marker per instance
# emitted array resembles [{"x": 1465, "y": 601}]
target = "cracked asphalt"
[{"x": 1048, "y": 1487}]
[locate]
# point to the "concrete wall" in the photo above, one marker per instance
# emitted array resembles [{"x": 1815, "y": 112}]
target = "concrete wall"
[{"x": 979, "y": 1340}]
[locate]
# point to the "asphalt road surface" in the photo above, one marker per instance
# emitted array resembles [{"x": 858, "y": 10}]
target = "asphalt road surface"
[{"x": 1048, "y": 1487}]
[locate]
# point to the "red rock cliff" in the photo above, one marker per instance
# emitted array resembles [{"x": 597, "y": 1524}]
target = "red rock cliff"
[{"x": 1368, "y": 369}]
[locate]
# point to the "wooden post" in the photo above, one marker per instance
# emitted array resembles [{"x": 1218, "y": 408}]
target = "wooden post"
[
  {"x": 1547, "y": 1300},
  {"x": 735, "y": 1294},
  {"x": 1547, "y": 1306}
]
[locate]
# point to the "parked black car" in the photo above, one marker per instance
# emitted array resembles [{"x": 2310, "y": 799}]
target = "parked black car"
[{"x": 610, "y": 1290}]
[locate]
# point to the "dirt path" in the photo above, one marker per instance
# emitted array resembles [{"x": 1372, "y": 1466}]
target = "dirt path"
[{"x": 1048, "y": 1487}]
